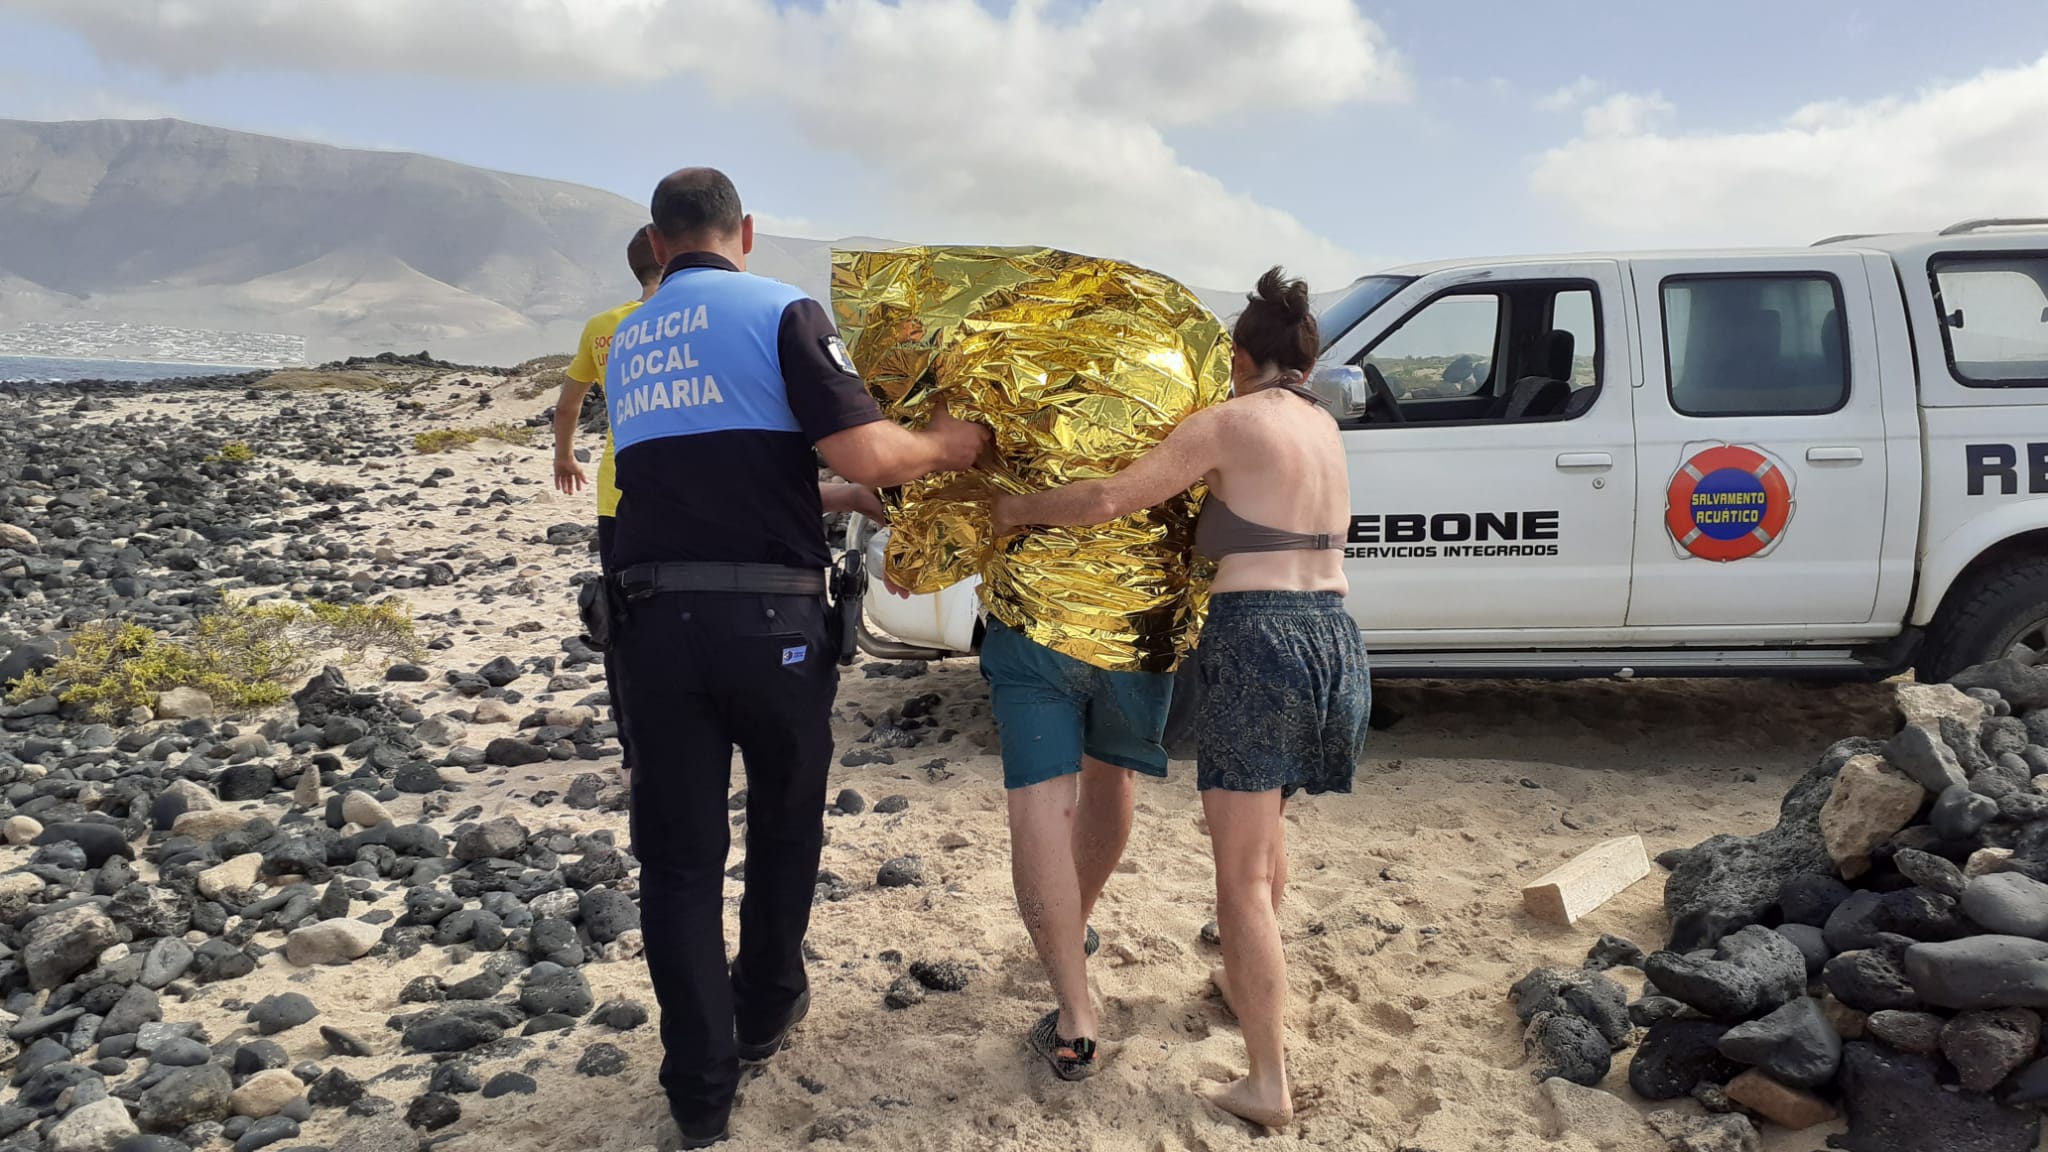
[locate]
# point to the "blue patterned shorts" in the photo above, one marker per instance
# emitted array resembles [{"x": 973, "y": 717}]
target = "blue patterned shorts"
[{"x": 1285, "y": 693}]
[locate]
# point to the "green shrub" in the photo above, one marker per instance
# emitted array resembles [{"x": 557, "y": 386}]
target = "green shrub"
[
  {"x": 244, "y": 656},
  {"x": 442, "y": 439},
  {"x": 235, "y": 453}
]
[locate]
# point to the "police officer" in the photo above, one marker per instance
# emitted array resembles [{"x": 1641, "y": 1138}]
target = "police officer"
[{"x": 719, "y": 386}]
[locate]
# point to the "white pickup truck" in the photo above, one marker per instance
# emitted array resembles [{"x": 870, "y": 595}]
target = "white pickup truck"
[{"x": 1827, "y": 461}]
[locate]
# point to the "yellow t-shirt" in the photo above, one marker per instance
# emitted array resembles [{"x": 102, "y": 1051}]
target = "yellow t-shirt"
[{"x": 593, "y": 352}]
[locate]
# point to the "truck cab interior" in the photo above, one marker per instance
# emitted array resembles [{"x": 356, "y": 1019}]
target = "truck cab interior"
[{"x": 1499, "y": 353}]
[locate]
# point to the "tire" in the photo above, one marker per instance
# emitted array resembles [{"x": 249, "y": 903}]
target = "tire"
[{"x": 1986, "y": 617}]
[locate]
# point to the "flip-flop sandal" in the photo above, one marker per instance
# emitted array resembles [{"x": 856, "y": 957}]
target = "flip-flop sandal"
[
  {"x": 1092, "y": 944},
  {"x": 1069, "y": 1059}
]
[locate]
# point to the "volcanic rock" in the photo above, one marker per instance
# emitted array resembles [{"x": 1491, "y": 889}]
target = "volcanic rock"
[
  {"x": 1896, "y": 1103},
  {"x": 1980, "y": 972},
  {"x": 1795, "y": 1044},
  {"x": 2008, "y": 904},
  {"x": 1730, "y": 882},
  {"x": 1754, "y": 970},
  {"x": 1988, "y": 1046},
  {"x": 1678, "y": 1056}
]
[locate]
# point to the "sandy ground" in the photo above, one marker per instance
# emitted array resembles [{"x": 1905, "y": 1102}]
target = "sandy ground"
[{"x": 1403, "y": 924}]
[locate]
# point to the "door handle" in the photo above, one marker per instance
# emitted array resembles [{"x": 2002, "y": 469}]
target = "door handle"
[
  {"x": 1833, "y": 455},
  {"x": 1585, "y": 460}
]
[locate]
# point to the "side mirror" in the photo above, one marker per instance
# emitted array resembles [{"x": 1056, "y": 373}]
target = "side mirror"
[
  {"x": 1955, "y": 318},
  {"x": 1342, "y": 389}
]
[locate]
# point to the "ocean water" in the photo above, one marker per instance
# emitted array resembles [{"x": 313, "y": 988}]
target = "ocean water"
[{"x": 60, "y": 369}]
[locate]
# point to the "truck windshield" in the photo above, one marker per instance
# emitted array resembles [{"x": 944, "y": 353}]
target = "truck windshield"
[{"x": 1356, "y": 304}]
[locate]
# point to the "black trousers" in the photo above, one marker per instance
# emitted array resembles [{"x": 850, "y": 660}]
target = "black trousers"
[{"x": 701, "y": 673}]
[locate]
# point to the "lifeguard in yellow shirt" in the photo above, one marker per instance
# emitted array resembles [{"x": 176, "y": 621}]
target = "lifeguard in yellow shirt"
[{"x": 587, "y": 369}]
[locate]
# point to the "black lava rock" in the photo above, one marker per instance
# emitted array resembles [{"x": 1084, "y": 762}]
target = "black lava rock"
[
  {"x": 1794, "y": 1045},
  {"x": 902, "y": 872},
  {"x": 1730, "y": 882},
  {"x": 450, "y": 1034},
  {"x": 620, "y": 1015},
  {"x": 1613, "y": 952},
  {"x": 1959, "y": 813},
  {"x": 1930, "y": 872},
  {"x": 510, "y": 1084},
  {"x": 565, "y": 993},
  {"x": 1569, "y": 1048},
  {"x": 1980, "y": 972},
  {"x": 1754, "y": 970},
  {"x": 1678, "y": 1056},
  {"x": 1985, "y": 1047},
  {"x": 433, "y": 1112},
  {"x": 454, "y": 1079},
  {"x": 1896, "y": 1103},
  {"x": 2008, "y": 904},
  {"x": 940, "y": 976},
  {"x": 274, "y": 1014},
  {"x": 1873, "y": 979},
  {"x": 602, "y": 1060},
  {"x": 335, "y": 1089},
  {"x": 1582, "y": 993},
  {"x": 247, "y": 782}
]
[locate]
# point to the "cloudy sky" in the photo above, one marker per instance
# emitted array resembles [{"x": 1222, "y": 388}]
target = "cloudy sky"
[{"x": 1209, "y": 138}]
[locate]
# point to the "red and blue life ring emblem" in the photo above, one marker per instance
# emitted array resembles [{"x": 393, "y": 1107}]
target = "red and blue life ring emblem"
[{"x": 1728, "y": 502}]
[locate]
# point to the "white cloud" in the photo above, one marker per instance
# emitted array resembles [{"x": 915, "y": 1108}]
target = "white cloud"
[
  {"x": 1031, "y": 126},
  {"x": 1973, "y": 148},
  {"x": 1572, "y": 95}
]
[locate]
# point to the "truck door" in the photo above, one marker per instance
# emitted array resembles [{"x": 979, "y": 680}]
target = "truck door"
[
  {"x": 1495, "y": 489},
  {"x": 1760, "y": 447}
]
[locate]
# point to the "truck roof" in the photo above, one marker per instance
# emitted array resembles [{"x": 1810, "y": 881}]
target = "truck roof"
[{"x": 2022, "y": 233}]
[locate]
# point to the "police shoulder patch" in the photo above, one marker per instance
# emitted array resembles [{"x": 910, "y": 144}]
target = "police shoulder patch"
[{"x": 835, "y": 351}]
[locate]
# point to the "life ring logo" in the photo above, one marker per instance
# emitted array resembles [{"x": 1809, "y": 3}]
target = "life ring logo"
[{"x": 1728, "y": 502}]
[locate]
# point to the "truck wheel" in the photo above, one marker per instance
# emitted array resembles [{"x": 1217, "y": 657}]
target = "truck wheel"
[{"x": 1998, "y": 611}]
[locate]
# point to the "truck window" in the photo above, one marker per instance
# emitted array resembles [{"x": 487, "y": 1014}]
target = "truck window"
[
  {"x": 1573, "y": 312},
  {"x": 1506, "y": 352},
  {"x": 1444, "y": 351},
  {"x": 1994, "y": 317},
  {"x": 1755, "y": 345}
]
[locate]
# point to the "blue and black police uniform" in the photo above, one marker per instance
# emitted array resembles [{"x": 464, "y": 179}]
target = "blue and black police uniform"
[{"x": 719, "y": 386}]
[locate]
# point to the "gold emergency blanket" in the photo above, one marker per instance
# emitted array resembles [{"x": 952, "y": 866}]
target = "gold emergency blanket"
[{"x": 1080, "y": 366}]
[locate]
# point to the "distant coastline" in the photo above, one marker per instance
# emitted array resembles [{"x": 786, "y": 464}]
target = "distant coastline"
[{"x": 72, "y": 369}]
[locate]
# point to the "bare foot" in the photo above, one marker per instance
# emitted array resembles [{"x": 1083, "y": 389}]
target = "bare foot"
[
  {"x": 1221, "y": 979},
  {"x": 1267, "y": 1109}
]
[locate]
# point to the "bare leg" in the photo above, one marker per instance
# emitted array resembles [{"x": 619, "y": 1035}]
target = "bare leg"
[
  {"x": 1042, "y": 828},
  {"x": 1220, "y": 976},
  {"x": 1102, "y": 826},
  {"x": 1243, "y": 828}
]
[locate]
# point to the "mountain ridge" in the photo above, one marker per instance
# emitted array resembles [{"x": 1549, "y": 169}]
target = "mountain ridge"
[{"x": 355, "y": 250}]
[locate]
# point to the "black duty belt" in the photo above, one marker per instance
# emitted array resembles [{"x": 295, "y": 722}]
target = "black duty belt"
[{"x": 770, "y": 579}]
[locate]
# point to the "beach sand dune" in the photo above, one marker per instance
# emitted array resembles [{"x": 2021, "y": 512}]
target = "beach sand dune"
[{"x": 1403, "y": 923}]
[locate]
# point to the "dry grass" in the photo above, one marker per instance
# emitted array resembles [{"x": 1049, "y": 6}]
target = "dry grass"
[
  {"x": 312, "y": 380},
  {"x": 443, "y": 439}
]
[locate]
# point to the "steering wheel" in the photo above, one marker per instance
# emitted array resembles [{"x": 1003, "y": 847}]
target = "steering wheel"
[{"x": 1383, "y": 395}]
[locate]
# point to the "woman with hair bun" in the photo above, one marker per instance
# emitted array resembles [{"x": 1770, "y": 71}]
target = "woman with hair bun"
[{"x": 1286, "y": 690}]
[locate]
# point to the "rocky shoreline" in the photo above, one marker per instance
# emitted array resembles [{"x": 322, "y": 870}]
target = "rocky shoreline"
[
  {"x": 395, "y": 909},
  {"x": 167, "y": 857}
]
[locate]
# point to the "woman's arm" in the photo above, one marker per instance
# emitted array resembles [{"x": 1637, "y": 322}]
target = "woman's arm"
[{"x": 1166, "y": 471}]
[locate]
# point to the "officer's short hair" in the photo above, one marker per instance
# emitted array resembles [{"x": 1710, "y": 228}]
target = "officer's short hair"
[
  {"x": 696, "y": 202},
  {"x": 640, "y": 256}
]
